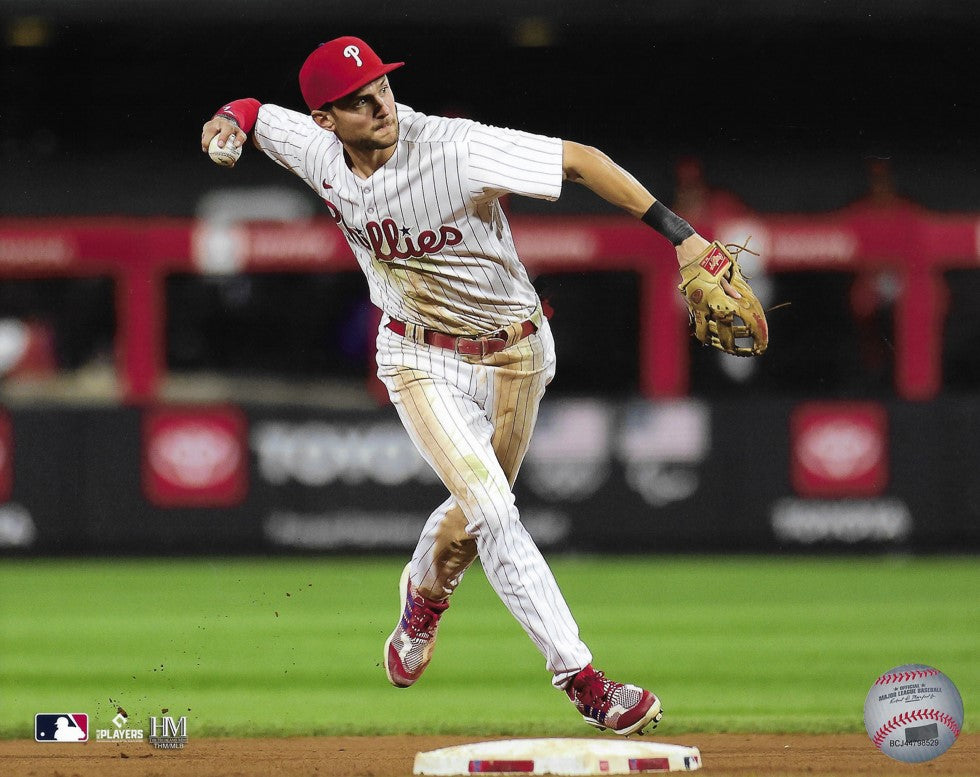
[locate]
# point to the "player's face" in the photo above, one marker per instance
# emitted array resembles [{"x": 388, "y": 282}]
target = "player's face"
[{"x": 365, "y": 120}]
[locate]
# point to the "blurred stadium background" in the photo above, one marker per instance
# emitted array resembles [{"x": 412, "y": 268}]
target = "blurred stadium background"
[
  {"x": 206, "y": 336},
  {"x": 186, "y": 351}
]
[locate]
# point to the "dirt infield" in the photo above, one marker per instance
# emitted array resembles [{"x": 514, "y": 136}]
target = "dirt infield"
[{"x": 393, "y": 756}]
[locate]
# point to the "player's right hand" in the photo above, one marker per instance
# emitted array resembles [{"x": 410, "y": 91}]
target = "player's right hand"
[{"x": 224, "y": 129}]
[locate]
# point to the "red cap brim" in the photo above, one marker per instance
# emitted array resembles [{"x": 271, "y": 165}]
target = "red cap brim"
[{"x": 366, "y": 78}]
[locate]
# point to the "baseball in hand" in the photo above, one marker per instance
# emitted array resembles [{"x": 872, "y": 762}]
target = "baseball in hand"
[
  {"x": 226, "y": 156},
  {"x": 913, "y": 713}
]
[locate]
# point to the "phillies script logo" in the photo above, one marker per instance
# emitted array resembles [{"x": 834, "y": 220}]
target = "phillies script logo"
[
  {"x": 384, "y": 241},
  {"x": 388, "y": 242},
  {"x": 194, "y": 458},
  {"x": 839, "y": 450},
  {"x": 715, "y": 262}
]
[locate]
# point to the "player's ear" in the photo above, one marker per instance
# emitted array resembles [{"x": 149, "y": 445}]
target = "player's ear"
[{"x": 324, "y": 119}]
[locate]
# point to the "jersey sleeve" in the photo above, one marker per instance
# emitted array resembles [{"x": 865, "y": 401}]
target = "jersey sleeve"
[
  {"x": 286, "y": 136},
  {"x": 505, "y": 161}
]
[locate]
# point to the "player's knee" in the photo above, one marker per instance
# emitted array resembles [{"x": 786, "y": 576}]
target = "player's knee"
[{"x": 494, "y": 519}]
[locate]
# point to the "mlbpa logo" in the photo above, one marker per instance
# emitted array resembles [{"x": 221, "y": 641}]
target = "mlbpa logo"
[{"x": 61, "y": 727}]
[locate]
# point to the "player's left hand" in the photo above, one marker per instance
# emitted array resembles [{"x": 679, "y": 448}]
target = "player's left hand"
[{"x": 718, "y": 297}]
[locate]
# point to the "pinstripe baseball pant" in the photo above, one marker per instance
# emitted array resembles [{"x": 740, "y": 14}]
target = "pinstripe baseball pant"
[{"x": 471, "y": 418}]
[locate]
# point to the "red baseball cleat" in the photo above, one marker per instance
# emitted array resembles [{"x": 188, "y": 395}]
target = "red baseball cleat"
[
  {"x": 409, "y": 648},
  {"x": 604, "y": 704}
]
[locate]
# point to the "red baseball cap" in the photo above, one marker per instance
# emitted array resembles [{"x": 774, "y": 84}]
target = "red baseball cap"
[{"x": 339, "y": 67}]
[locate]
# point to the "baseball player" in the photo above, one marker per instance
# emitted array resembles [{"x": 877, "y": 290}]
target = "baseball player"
[{"x": 463, "y": 347}]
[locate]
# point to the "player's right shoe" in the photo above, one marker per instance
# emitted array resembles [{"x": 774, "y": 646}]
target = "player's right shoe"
[
  {"x": 604, "y": 703},
  {"x": 409, "y": 648}
]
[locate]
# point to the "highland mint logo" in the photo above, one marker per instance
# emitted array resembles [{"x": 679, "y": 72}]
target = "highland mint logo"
[{"x": 165, "y": 733}]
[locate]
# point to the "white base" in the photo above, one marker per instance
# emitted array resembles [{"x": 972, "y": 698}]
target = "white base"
[{"x": 558, "y": 757}]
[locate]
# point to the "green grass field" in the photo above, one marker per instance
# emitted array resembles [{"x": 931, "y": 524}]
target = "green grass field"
[{"x": 293, "y": 646}]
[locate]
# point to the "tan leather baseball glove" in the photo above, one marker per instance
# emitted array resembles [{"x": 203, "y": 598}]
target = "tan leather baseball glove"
[{"x": 718, "y": 319}]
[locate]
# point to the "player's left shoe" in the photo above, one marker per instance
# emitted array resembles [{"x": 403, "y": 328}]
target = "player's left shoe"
[
  {"x": 604, "y": 703},
  {"x": 409, "y": 648}
]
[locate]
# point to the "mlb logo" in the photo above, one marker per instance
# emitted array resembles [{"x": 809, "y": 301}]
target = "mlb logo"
[{"x": 61, "y": 727}]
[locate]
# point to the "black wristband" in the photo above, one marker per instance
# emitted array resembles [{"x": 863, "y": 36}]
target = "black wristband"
[{"x": 667, "y": 223}]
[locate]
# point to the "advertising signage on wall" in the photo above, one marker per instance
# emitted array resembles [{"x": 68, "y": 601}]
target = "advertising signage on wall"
[
  {"x": 635, "y": 476},
  {"x": 194, "y": 456}
]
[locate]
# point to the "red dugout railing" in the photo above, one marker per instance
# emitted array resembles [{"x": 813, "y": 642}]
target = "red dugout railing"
[{"x": 139, "y": 253}]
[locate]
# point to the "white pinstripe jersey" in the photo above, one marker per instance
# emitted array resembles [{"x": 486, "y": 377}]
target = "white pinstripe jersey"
[{"x": 426, "y": 228}]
